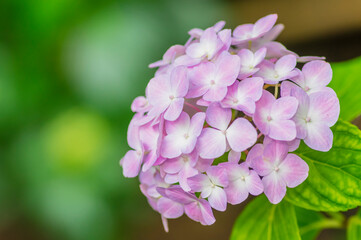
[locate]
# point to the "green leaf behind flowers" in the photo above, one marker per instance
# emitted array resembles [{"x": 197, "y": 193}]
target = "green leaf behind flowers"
[
  {"x": 346, "y": 82},
  {"x": 334, "y": 181},
  {"x": 261, "y": 220}
]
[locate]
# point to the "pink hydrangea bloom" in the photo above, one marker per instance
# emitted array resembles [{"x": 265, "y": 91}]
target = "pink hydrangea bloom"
[
  {"x": 241, "y": 182},
  {"x": 169, "y": 209},
  {"x": 211, "y": 186},
  {"x": 211, "y": 80},
  {"x": 179, "y": 169},
  {"x": 133, "y": 159},
  {"x": 317, "y": 112},
  {"x": 249, "y": 61},
  {"x": 140, "y": 105},
  {"x": 168, "y": 58},
  {"x": 197, "y": 32},
  {"x": 243, "y": 95},
  {"x": 208, "y": 46},
  {"x": 197, "y": 209},
  {"x": 166, "y": 93},
  {"x": 283, "y": 69},
  {"x": 182, "y": 134},
  {"x": 248, "y": 32},
  {"x": 315, "y": 76},
  {"x": 273, "y": 117},
  {"x": 213, "y": 142},
  {"x": 213, "y": 129},
  {"x": 279, "y": 170}
]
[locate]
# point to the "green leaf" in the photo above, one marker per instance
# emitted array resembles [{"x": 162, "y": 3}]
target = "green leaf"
[
  {"x": 354, "y": 228},
  {"x": 334, "y": 181},
  {"x": 346, "y": 83},
  {"x": 261, "y": 220},
  {"x": 309, "y": 223}
]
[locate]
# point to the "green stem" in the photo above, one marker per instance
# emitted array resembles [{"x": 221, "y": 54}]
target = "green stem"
[
  {"x": 325, "y": 223},
  {"x": 276, "y": 91},
  {"x": 234, "y": 114}
]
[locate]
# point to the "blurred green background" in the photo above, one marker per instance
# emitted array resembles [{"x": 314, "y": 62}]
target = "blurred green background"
[{"x": 69, "y": 70}]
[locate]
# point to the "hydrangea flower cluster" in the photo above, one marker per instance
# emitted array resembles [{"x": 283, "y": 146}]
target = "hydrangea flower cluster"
[{"x": 220, "y": 118}]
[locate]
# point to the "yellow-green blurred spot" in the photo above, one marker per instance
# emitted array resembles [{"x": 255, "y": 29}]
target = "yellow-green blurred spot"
[{"x": 76, "y": 139}]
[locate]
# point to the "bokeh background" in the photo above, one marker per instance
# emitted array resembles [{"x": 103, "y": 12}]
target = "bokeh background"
[{"x": 69, "y": 70}]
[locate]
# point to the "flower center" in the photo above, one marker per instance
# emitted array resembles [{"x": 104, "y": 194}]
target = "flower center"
[
  {"x": 235, "y": 101},
  {"x": 213, "y": 82},
  {"x": 276, "y": 75},
  {"x": 243, "y": 178},
  {"x": 308, "y": 119},
  {"x": 269, "y": 118},
  {"x": 185, "y": 159},
  {"x": 171, "y": 97},
  {"x": 307, "y": 88},
  {"x": 276, "y": 168},
  {"x": 186, "y": 136}
]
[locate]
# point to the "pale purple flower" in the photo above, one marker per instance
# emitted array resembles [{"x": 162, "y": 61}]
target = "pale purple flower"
[
  {"x": 144, "y": 136},
  {"x": 213, "y": 142},
  {"x": 172, "y": 53},
  {"x": 133, "y": 159},
  {"x": 293, "y": 145},
  {"x": 169, "y": 209},
  {"x": 204, "y": 103},
  {"x": 316, "y": 113},
  {"x": 275, "y": 49},
  {"x": 197, "y": 32},
  {"x": 200, "y": 211},
  {"x": 305, "y": 59},
  {"x": 273, "y": 116},
  {"x": 249, "y": 61},
  {"x": 211, "y": 186},
  {"x": 208, "y": 46},
  {"x": 197, "y": 209},
  {"x": 140, "y": 105},
  {"x": 212, "y": 79},
  {"x": 203, "y": 164},
  {"x": 241, "y": 182},
  {"x": 243, "y": 95},
  {"x": 315, "y": 76},
  {"x": 150, "y": 136},
  {"x": 234, "y": 157},
  {"x": 226, "y": 37},
  {"x": 279, "y": 170},
  {"x": 273, "y": 73},
  {"x": 271, "y": 34},
  {"x": 149, "y": 181},
  {"x": 182, "y": 135},
  {"x": 250, "y": 32},
  {"x": 144, "y": 118},
  {"x": 179, "y": 169},
  {"x": 255, "y": 152},
  {"x": 196, "y": 113},
  {"x": 166, "y": 93}
]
